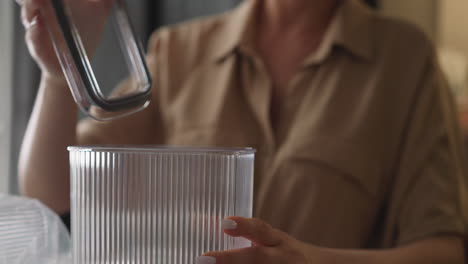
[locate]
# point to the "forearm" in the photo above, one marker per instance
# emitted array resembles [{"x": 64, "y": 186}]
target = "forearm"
[
  {"x": 431, "y": 251},
  {"x": 43, "y": 165}
]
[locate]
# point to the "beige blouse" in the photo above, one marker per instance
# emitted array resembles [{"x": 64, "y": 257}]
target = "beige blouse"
[{"x": 366, "y": 152}]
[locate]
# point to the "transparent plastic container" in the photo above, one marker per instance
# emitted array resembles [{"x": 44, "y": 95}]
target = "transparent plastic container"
[
  {"x": 156, "y": 205},
  {"x": 83, "y": 29},
  {"x": 30, "y": 233}
]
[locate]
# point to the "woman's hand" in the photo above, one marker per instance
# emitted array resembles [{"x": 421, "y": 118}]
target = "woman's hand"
[
  {"x": 89, "y": 15},
  {"x": 275, "y": 247},
  {"x": 269, "y": 245}
]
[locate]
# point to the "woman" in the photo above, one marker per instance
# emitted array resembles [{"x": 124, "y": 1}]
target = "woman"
[{"x": 357, "y": 144}]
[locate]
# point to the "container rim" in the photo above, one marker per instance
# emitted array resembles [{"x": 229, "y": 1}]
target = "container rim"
[{"x": 161, "y": 149}]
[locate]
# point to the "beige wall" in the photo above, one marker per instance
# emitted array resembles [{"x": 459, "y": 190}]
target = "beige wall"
[{"x": 453, "y": 25}]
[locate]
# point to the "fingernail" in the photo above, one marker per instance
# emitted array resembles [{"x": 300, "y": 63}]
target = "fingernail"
[
  {"x": 33, "y": 22},
  {"x": 205, "y": 260},
  {"x": 228, "y": 224}
]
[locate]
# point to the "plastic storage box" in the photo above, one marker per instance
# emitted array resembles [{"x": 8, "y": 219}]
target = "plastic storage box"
[{"x": 156, "y": 205}]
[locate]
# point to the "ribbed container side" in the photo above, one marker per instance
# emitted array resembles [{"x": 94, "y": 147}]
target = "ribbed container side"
[{"x": 160, "y": 207}]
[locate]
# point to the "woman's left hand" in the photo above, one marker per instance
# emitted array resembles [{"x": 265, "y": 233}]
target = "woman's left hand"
[{"x": 269, "y": 245}]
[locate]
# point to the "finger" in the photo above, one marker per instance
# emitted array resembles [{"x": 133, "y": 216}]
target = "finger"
[
  {"x": 35, "y": 31},
  {"x": 30, "y": 11},
  {"x": 255, "y": 230},
  {"x": 249, "y": 255},
  {"x": 37, "y": 39}
]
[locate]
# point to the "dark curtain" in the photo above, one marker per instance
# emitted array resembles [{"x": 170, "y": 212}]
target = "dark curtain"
[
  {"x": 373, "y": 3},
  {"x": 26, "y": 77},
  {"x": 174, "y": 11}
]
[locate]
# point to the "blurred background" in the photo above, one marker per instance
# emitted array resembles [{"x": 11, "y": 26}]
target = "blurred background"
[{"x": 444, "y": 21}]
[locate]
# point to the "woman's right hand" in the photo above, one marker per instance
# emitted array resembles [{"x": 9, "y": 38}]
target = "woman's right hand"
[{"x": 89, "y": 15}]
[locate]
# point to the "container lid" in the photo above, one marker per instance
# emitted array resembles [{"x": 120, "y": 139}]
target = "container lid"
[
  {"x": 82, "y": 30},
  {"x": 160, "y": 149}
]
